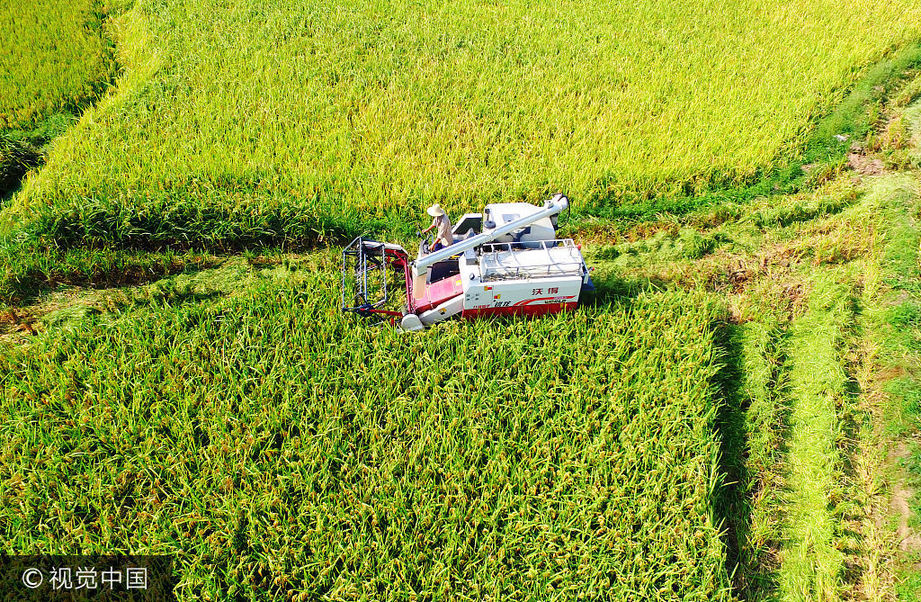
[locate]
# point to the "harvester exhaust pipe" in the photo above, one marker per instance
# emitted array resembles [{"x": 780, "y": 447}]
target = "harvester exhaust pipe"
[{"x": 551, "y": 207}]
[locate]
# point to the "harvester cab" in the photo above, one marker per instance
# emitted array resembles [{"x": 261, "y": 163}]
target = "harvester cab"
[{"x": 504, "y": 261}]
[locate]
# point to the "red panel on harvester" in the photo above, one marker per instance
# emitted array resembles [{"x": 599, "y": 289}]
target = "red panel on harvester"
[
  {"x": 438, "y": 292},
  {"x": 521, "y": 310}
]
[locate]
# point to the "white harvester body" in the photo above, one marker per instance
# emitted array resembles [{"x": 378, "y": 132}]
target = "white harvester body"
[{"x": 505, "y": 261}]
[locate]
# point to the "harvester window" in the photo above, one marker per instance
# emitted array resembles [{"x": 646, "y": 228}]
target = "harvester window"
[
  {"x": 470, "y": 222},
  {"x": 443, "y": 269}
]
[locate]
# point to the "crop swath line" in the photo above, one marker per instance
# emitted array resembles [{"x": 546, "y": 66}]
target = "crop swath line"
[
  {"x": 752, "y": 425},
  {"x": 811, "y": 566}
]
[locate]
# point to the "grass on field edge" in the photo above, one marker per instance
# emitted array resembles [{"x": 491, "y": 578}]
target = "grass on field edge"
[
  {"x": 751, "y": 425},
  {"x": 893, "y": 327},
  {"x": 819, "y": 414}
]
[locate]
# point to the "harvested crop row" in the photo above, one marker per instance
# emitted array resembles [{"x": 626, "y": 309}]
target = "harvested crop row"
[
  {"x": 569, "y": 457},
  {"x": 752, "y": 435},
  {"x": 812, "y": 564}
]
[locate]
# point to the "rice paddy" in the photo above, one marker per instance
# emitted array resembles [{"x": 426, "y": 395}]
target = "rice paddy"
[
  {"x": 54, "y": 57},
  {"x": 176, "y": 376},
  {"x": 279, "y": 450},
  {"x": 238, "y": 118}
]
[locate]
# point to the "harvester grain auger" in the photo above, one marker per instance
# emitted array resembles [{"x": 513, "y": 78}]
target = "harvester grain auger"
[{"x": 504, "y": 261}]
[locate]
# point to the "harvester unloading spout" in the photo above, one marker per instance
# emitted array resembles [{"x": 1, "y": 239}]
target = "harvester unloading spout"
[
  {"x": 504, "y": 261},
  {"x": 552, "y": 207}
]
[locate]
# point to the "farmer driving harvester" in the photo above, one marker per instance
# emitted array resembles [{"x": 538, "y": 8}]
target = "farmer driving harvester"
[
  {"x": 441, "y": 222},
  {"x": 505, "y": 260}
]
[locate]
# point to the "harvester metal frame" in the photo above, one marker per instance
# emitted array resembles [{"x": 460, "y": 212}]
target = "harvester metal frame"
[{"x": 361, "y": 259}]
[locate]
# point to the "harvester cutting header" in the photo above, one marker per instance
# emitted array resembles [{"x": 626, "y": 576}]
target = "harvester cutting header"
[{"x": 505, "y": 261}]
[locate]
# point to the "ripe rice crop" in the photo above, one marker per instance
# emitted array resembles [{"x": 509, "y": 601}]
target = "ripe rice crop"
[
  {"x": 277, "y": 446},
  {"x": 53, "y": 56},
  {"x": 240, "y": 118}
]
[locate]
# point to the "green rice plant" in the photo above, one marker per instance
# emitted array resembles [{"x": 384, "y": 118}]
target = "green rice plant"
[
  {"x": 26, "y": 273},
  {"x": 830, "y": 198},
  {"x": 54, "y": 57},
  {"x": 760, "y": 390},
  {"x": 16, "y": 158},
  {"x": 811, "y": 562},
  {"x": 329, "y": 111},
  {"x": 279, "y": 448}
]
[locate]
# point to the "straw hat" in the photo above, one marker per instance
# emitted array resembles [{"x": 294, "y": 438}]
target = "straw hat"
[{"x": 435, "y": 210}]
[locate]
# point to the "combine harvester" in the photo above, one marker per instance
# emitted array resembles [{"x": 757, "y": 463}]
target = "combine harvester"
[{"x": 506, "y": 261}]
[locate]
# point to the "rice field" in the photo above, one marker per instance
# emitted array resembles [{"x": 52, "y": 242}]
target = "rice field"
[
  {"x": 704, "y": 430},
  {"x": 54, "y": 56},
  {"x": 55, "y": 59},
  {"x": 281, "y": 451},
  {"x": 235, "y": 119}
]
